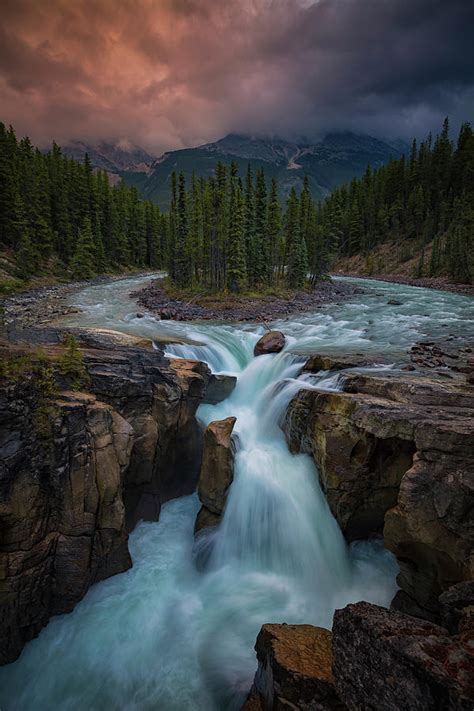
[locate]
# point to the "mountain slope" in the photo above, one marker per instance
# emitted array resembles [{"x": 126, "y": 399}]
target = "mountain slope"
[
  {"x": 114, "y": 158},
  {"x": 339, "y": 157}
]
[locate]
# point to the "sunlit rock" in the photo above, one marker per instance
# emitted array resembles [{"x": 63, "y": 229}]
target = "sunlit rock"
[{"x": 271, "y": 342}]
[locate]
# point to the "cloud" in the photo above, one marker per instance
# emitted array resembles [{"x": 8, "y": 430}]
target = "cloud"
[{"x": 171, "y": 73}]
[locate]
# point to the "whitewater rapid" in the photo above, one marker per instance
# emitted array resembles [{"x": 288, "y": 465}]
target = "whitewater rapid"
[{"x": 176, "y": 632}]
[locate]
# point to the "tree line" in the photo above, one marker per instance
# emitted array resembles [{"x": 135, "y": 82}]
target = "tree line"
[
  {"x": 424, "y": 198},
  {"x": 59, "y": 211},
  {"x": 229, "y": 233}
]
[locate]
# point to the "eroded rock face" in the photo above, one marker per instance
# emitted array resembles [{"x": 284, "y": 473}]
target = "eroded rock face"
[
  {"x": 159, "y": 398},
  {"x": 217, "y": 471},
  {"x": 396, "y": 453},
  {"x": 271, "y": 342},
  {"x": 74, "y": 481},
  {"x": 387, "y": 660},
  {"x": 294, "y": 669},
  {"x": 62, "y": 519}
]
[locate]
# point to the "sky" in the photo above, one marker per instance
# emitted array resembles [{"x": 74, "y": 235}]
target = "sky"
[{"x": 167, "y": 74}]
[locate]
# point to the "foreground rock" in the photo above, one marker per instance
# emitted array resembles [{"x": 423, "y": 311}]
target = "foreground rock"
[
  {"x": 294, "y": 669},
  {"x": 373, "y": 659},
  {"x": 217, "y": 471},
  {"x": 271, "y": 342},
  {"x": 395, "y": 454},
  {"x": 78, "y": 469},
  {"x": 386, "y": 660}
]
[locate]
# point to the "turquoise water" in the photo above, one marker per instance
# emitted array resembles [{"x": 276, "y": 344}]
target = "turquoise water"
[{"x": 170, "y": 634}]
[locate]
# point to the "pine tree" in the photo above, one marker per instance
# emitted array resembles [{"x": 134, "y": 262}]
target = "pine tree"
[
  {"x": 83, "y": 261},
  {"x": 236, "y": 267},
  {"x": 26, "y": 256},
  {"x": 182, "y": 267},
  {"x": 274, "y": 231}
]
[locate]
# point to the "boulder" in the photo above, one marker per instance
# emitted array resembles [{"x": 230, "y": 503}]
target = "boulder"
[
  {"x": 219, "y": 388},
  {"x": 271, "y": 342},
  {"x": 395, "y": 454},
  {"x": 217, "y": 471},
  {"x": 294, "y": 669},
  {"x": 387, "y": 660}
]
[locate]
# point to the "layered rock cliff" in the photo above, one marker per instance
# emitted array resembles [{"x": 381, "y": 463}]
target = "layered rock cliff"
[
  {"x": 78, "y": 469},
  {"x": 395, "y": 455}
]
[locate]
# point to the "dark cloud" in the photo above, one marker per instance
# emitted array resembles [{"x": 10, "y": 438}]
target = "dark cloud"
[{"x": 169, "y": 73}]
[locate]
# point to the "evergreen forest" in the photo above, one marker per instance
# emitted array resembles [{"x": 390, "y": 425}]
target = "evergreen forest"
[{"x": 230, "y": 232}]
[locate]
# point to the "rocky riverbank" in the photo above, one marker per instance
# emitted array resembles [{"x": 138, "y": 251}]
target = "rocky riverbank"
[
  {"x": 373, "y": 659},
  {"x": 46, "y": 304},
  {"x": 440, "y": 283},
  {"x": 232, "y": 307},
  {"x": 80, "y": 463}
]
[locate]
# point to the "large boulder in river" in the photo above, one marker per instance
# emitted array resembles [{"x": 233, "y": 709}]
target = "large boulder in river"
[
  {"x": 217, "y": 471},
  {"x": 395, "y": 454},
  {"x": 271, "y": 342}
]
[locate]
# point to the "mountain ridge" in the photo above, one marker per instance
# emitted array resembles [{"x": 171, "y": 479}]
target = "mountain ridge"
[{"x": 329, "y": 162}]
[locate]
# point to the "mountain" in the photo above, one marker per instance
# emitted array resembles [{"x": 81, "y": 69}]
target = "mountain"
[
  {"x": 336, "y": 159},
  {"x": 115, "y": 158}
]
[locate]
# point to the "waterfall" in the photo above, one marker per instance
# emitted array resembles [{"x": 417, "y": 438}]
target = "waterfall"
[{"x": 176, "y": 632}]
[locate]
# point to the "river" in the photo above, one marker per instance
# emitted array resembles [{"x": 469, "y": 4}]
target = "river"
[{"x": 174, "y": 635}]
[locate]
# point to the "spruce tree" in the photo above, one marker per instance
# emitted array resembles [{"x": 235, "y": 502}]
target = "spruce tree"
[
  {"x": 236, "y": 267},
  {"x": 83, "y": 261}
]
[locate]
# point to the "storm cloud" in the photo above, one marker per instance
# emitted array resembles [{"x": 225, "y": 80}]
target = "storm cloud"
[{"x": 171, "y": 73}]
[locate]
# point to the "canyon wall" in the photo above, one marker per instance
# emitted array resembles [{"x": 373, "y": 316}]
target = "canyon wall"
[{"x": 78, "y": 469}]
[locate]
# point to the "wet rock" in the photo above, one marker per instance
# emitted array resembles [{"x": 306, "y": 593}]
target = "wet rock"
[
  {"x": 61, "y": 512},
  {"x": 395, "y": 454},
  {"x": 271, "y": 342},
  {"x": 219, "y": 388},
  {"x": 328, "y": 361},
  {"x": 167, "y": 314},
  {"x": 394, "y": 302},
  {"x": 217, "y": 471},
  {"x": 294, "y": 669},
  {"x": 387, "y": 660}
]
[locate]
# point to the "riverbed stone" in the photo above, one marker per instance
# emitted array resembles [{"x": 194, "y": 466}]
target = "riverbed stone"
[{"x": 271, "y": 342}]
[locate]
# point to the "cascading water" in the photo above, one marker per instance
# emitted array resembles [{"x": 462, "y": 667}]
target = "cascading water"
[{"x": 176, "y": 632}]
